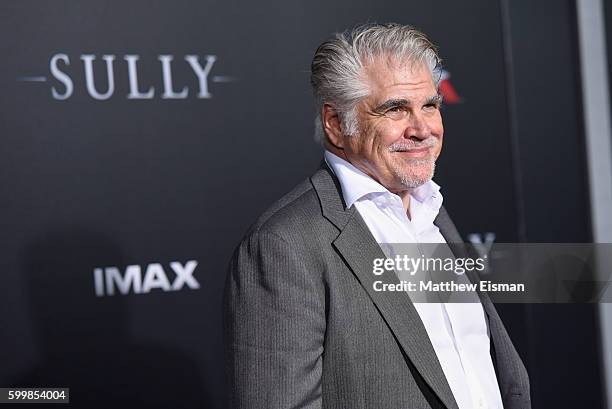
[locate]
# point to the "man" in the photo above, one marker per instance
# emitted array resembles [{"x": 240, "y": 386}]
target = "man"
[{"x": 304, "y": 326}]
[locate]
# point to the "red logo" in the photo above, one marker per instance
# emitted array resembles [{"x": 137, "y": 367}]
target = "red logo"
[{"x": 449, "y": 95}]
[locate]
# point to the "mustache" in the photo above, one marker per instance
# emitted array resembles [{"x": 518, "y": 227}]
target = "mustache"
[{"x": 407, "y": 145}]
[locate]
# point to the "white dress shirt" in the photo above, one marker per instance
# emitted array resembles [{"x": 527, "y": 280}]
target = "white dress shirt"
[{"x": 457, "y": 331}]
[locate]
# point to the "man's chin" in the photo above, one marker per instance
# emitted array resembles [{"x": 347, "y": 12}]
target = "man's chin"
[
  {"x": 414, "y": 183},
  {"x": 417, "y": 177}
]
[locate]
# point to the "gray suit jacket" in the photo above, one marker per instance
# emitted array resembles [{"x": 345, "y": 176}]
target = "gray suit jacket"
[{"x": 305, "y": 329}]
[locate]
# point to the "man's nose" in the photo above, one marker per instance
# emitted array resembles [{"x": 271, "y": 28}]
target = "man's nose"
[{"x": 417, "y": 126}]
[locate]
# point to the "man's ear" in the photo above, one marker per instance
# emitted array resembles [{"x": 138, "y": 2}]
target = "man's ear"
[{"x": 331, "y": 126}]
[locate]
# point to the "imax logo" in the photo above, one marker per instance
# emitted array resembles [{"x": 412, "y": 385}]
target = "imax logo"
[
  {"x": 59, "y": 62},
  {"x": 107, "y": 280}
]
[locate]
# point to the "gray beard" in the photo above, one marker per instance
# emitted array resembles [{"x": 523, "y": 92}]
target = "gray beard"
[{"x": 412, "y": 181}]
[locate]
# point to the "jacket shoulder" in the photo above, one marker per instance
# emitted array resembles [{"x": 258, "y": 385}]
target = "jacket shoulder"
[{"x": 293, "y": 212}]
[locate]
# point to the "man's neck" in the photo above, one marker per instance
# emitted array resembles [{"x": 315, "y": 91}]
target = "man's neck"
[{"x": 405, "y": 196}]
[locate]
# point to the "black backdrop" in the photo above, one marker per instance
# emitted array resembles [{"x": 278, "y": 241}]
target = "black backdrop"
[{"x": 94, "y": 184}]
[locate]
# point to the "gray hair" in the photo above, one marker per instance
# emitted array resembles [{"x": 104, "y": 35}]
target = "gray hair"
[{"x": 337, "y": 66}]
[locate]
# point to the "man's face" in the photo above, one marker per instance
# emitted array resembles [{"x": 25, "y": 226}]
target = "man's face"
[{"x": 399, "y": 127}]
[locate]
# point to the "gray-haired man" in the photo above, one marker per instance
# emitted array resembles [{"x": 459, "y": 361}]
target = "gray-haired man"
[{"x": 304, "y": 326}]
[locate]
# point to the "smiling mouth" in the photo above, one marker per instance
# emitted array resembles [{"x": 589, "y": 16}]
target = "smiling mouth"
[{"x": 415, "y": 152}]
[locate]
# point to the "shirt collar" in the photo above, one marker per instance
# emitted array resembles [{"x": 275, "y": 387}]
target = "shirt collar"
[{"x": 356, "y": 184}]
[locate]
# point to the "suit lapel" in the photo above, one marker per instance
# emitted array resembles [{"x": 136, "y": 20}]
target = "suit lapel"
[
  {"x": 500, "y": 340},
  {"x": 358, "y": 248},
  {"x": 448, "y": 229},
  {"x": 460, "y": 250}
]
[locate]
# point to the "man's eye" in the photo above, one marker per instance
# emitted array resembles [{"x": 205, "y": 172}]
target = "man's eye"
[{"x": 396, "y": 113}]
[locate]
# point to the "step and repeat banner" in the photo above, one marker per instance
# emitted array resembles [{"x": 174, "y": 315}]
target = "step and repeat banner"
[{"x": 139, "y": 140}]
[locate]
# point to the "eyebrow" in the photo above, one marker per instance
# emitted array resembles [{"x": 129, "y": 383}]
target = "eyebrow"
[
  {"x": 390, "y": 103},
  {"x": 434, "y": 99},
  {"x": 398, "y": 102}
]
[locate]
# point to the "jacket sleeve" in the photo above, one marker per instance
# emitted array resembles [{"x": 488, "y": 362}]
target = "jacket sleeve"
[{"x": 274, "y": 326}]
